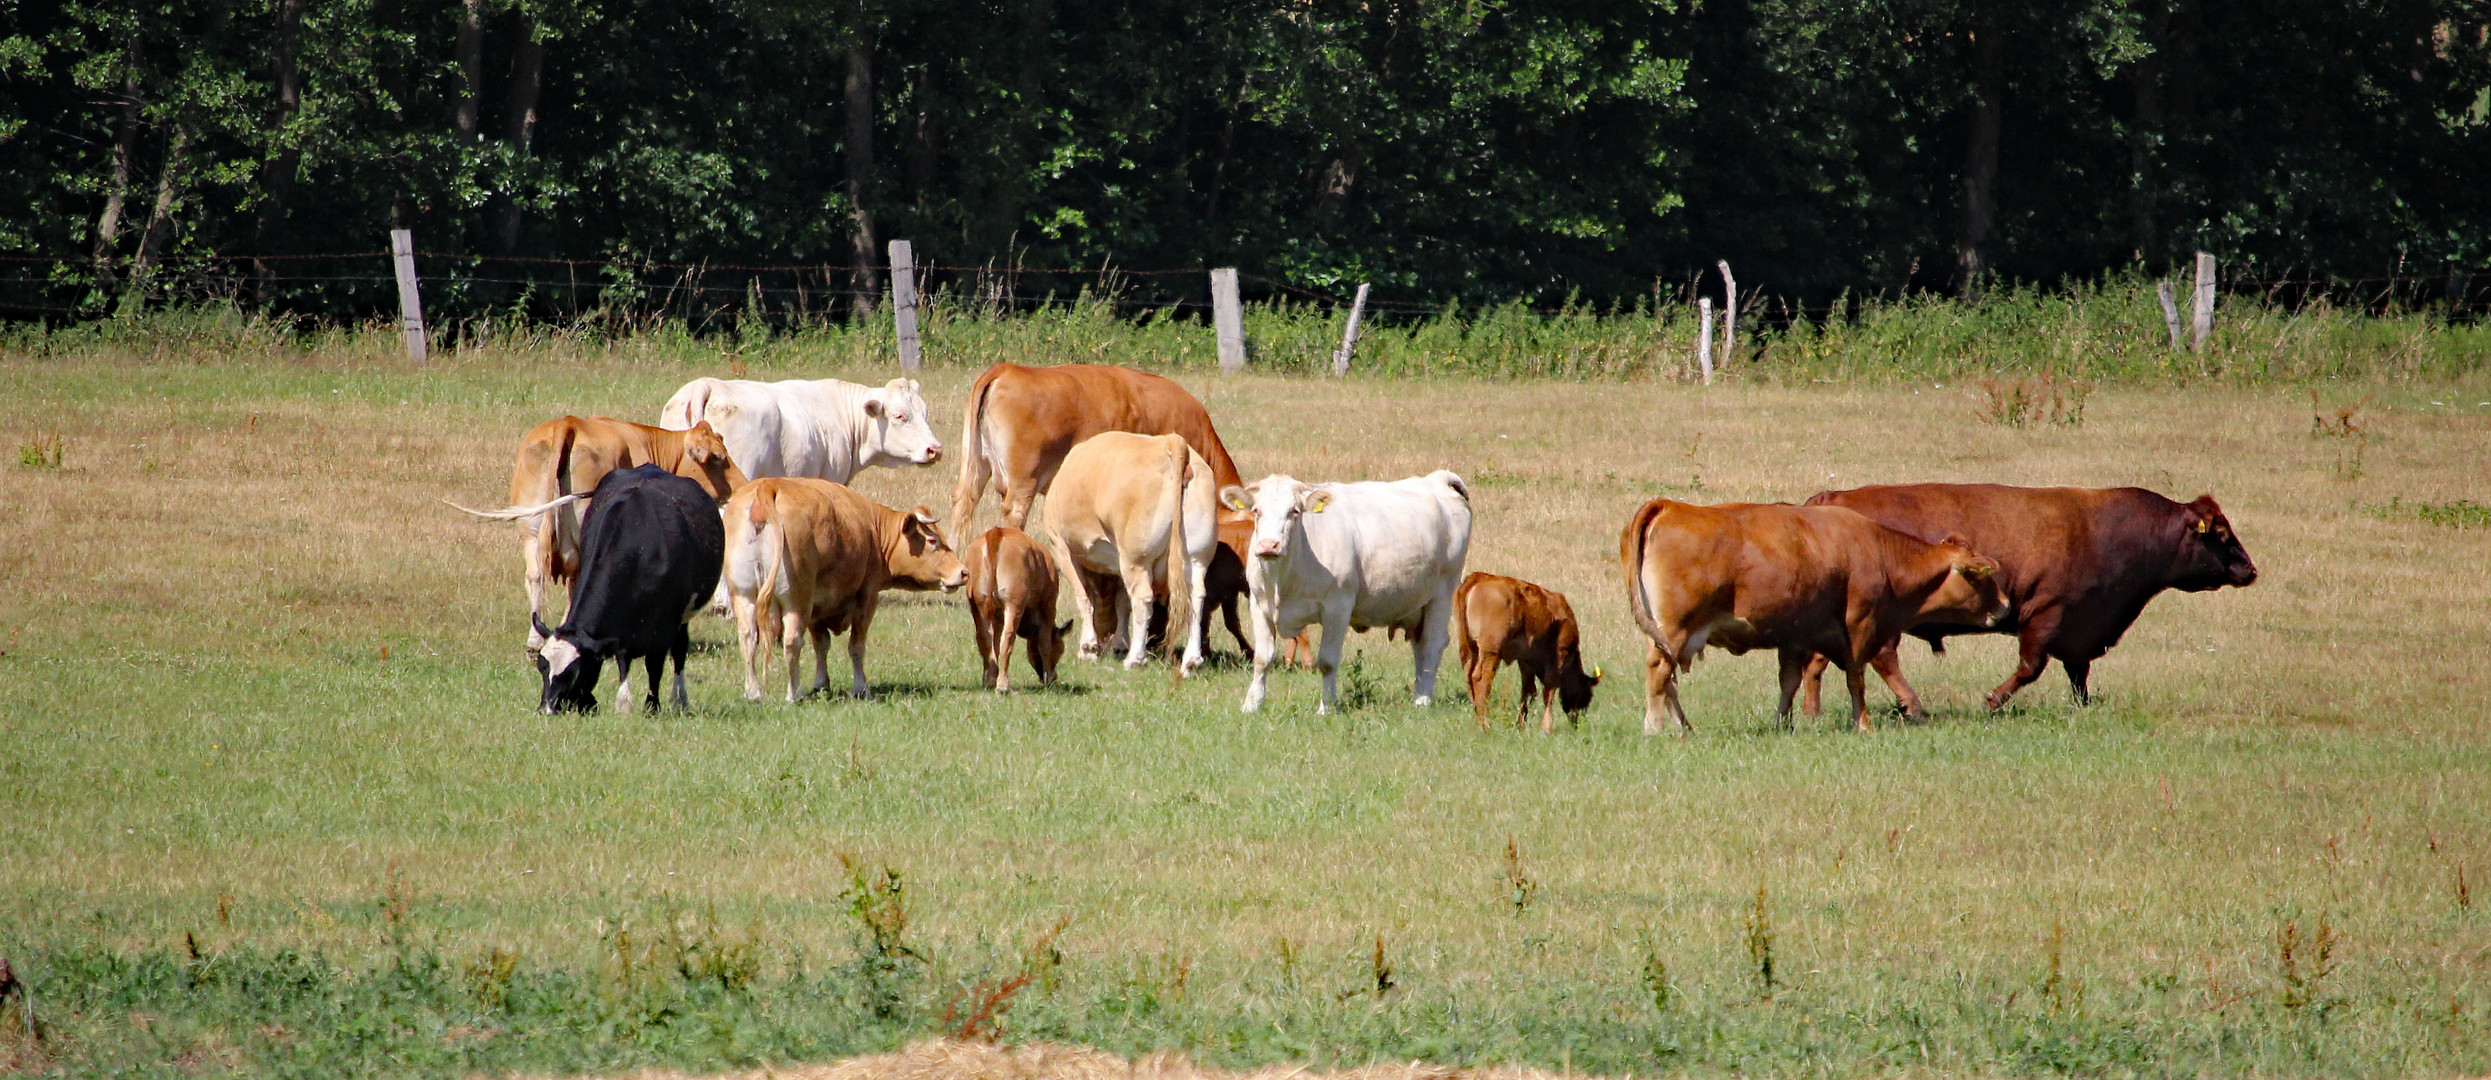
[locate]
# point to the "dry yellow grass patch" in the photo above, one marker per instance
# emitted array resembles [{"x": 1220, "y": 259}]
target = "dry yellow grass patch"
[{"x": 953, "y": 1059}]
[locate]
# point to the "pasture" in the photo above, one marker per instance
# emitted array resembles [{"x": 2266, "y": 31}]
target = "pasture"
[{"x": 273, "y": 796}]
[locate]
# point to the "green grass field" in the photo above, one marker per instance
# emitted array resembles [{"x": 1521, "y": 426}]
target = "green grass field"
[{"x": 273, "y": 798}]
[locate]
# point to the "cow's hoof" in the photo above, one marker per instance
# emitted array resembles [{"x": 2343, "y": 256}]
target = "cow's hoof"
[
  {"x": 1132, "y": 662},
  {"x": 1422, "y": 701}
]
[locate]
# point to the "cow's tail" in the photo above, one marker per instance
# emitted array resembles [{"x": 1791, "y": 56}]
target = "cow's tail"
[
  {"x": 516, "y": 513},
  {"x": 1453, "y": 480},
  {"x": 758, "y": 565},
  {"x": 1630, "y": 558},
  {"x": 1181, "y": 622},
  {"x": 973, "y": 471},
  {"x": 1461, "y": 622}
]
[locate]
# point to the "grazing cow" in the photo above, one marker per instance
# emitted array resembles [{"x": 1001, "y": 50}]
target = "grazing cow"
[
  {"x": 1136, "y": 510},
  {"x": 822, "y": 428},
  {"x": 1802, "y": 580},
  {"x": 1021, "y": 421},
  {"x": 1353, "y": 556},
  {"x": 1497, "y": 619},
  {"x": 813, "y": 557},
  {"x": 567, "y": 455},
  {"x": 1012, "y": 596},
  {"x": 649, "y": 556},
  {"x": 2078, "y": 564}
]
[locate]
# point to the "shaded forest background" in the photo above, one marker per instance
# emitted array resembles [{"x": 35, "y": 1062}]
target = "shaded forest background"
[{"x": 1479, "y": 151}]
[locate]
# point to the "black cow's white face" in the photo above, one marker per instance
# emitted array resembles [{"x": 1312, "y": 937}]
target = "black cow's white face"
[
  {"x": 571, "y": 674},
  {"x": 1277, "y": 503}
]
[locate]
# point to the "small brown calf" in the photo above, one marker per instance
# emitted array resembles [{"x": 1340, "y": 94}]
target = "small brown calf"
[
  {"x": 1012, "y": 596},
  {"x": 1499, "y": 619}
]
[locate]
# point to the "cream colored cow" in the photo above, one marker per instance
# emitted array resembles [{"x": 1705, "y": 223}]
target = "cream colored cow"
[{"x": 1140, "y": 510}]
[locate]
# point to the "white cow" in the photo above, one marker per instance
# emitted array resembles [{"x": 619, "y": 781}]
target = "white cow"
[
  {"x": 822, "y": 428},
  {"x": 1353, "y": 556}
]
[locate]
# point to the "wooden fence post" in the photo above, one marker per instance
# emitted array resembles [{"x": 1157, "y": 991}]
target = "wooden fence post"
[
  {"x": 1349, "y": 334},
  {"x": 1704, "y": 337},
  {"x": 410, "y": 302},
  {"x": 2170, "y": 309},
  {"x": 904, "y": 305},
  {"x": 2204, "y": 315},
  {"x": 1729, "y": 315},
  {"x": 1228, "y": 318}
]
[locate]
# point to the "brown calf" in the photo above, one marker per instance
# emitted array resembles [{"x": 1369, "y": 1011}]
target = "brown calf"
[
  {"x": 1499, "y": 619},
  {"x": 1012, "y": 596},
  {"x": 814, "y": 557},
  {"x": 1802, "y": 580}
]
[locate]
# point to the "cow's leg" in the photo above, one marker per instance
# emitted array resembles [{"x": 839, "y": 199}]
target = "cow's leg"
[
  {"x": 1888, "y": 663},
  {"x": 748, "y": 642},
  {"x": 1812, "y": 686},
  {"x": 1548, "y": 706},
  {"x": 791, "y": 642},
  {"x": 1660, "y": 690},
  {"x": 1328, "y": 659},
  {"x": 856, "y": 652},
  {"x": 622, "y": 693},
  {"x": 1482, "y": 682},
  {"x": 1016, "y": 499},
  {"x": 654, "y": 666},
  {"x": 2031, "y": 657},
  {"x": 1133, "y": 609},
  {"x": 1197, "y": 574},
  {"x": 821, "y": 660},
  {"x": 1855, "y": 676},
  {"x": 1007, "y": 633},
  {"x": 1530, "y": 689},
  {"x": 1228, "y": 611},
  {"x": 1435, "y": 630},
  {"x": 2078, "y": 670},
  {"x": 677, "y": 652},
  {"x": 1794, "y": 668},
  {"x": 1266, "y": 645},
  {"x": 533, "y": 552}
]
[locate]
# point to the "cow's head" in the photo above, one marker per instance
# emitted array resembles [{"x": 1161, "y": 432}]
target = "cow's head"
[
  {"x": 1275, "y": 503},
  {"x": 1574, "y": 685},
  {"x": 1971, "y": 594},
  {"x": 899, "y": 431},
  {"x": 2210, "y": 555},
  {"x": 570, "y": 667},
  {"x": 920, "y": 559},
  {"x": 1051, "y": 648},
  {"x": 706, "y": 463}
]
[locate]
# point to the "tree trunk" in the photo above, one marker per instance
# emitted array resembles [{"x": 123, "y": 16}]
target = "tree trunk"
[
  {"x": 1980, "y": 159},
  {"x": 1030, "y": 86},
  {"x": 470, "y": 61},
  {"x": 160, "y": 217},
  {"x": 527, "y": 83},
  {"x": 117, "y": 195},
  {"x": 860, "y": 152},
  {"x": 2145, "y": 130},
  {"x": 1228, "y": 144},
  {"x": 277, "y": 177}
]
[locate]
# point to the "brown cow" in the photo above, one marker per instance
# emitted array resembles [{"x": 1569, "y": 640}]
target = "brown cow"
[
  {"x": 1223, "y": 588},
  {"x": 1134, "y": 513},
  {"x": 1498, "y": 619},
  {"x": 568, "y": 455},
  {"x": 1021, "y": 421},
  {"x": 1802, "y": 580},
  {"x": 814, "y": 557},
  {"x": 2078, "y": 564},
  {"x": 1012, "y": 596}
]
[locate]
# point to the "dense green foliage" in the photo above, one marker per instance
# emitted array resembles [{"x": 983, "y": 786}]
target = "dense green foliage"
[{"x": 1485, "y": 150}]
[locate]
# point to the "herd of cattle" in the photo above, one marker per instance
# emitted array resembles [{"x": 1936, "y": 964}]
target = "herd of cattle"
[{"x": 736, "y": 501}]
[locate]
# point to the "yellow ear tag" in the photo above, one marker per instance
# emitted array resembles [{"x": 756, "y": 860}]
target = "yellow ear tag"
[
  {"x": 1595, "y": 671},
  {"x": 2203, "y": 526}
]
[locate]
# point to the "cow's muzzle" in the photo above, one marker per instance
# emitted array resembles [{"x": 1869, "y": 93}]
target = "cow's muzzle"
[{"x": 931, "y": 455}]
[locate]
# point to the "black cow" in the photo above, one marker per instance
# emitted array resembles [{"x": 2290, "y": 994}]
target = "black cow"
[
  {"x": 2078, "y": 564},
  {"x": 650, "y": 551}
]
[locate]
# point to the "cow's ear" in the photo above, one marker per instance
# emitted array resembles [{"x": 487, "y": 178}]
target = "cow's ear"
[
  {"x": 1957, "y": 540},
  {"x": 1313, "y": 502},
  {"x": 1064, "y": 629},
  {"x": 1234, "y": 497},
  {"x": 873, "y": 407},
  {"x": 698, "y": 452},
  {"x": 1978, "y": 567}
]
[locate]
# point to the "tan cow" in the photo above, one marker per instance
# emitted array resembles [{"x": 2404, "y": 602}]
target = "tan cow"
[
  {"x": 1498, "y": 619},
  {"x": 1021, "y": 421},
  {"x": 1135, "y": 510},
  {"x": 569, "y": 455},
  {"x": 1012, "y": 596},
  {"x": 1801, "y": 580},
  {"x": 814, "y": 557}
]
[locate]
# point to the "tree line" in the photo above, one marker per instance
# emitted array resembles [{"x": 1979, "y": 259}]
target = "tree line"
[{"x": 1479, "y": 149}]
